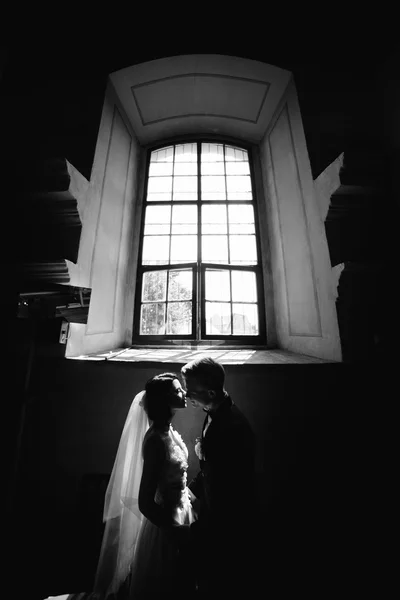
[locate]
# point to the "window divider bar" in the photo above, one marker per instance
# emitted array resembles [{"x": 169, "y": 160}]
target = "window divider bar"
[
  {"x": 184, "y": 202},
  {"x": 228, "y": 239},
  {"x": 199, "y": 230},
  {"x": 194, "y": 301},
  {"x": 167, "y": 266},
  {"x": 202, "y": 297},
  {"x": 231, "y": 267},
  {"x": 231, "y": 300}
]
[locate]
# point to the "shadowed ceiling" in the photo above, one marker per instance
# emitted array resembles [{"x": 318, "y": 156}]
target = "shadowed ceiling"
[{"x": 206, "y": 94}]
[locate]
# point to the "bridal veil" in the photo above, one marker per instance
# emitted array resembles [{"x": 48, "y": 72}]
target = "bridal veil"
[{"x": 121, "y": 507}]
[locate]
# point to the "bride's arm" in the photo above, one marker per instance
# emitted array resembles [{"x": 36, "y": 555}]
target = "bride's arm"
[{"x": 153, "y": 462}]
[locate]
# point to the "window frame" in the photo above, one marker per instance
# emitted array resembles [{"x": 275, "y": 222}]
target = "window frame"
[{"x": 198, "y": 334}]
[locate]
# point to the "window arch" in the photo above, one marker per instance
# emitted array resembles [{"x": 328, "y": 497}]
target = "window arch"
[{"x": 199, "y": 268}]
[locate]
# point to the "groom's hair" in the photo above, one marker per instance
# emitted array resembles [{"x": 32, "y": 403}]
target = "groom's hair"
[{"x": 207, "y": 371}]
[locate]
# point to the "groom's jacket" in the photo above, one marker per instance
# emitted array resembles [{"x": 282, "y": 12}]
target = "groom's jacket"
[{"x": 225, "y": 484}]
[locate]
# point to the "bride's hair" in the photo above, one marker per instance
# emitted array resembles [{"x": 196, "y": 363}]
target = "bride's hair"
[{"x": 155, "y": 401}]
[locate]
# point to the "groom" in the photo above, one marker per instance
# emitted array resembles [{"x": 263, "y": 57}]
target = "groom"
[{"x": 221, "y": 538}]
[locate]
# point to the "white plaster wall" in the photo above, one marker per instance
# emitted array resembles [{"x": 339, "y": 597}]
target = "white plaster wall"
[
  {"x": 107, "y": 208},
  {"x": 325, "y": 185},
  {"x": 305, "y": 312},
  {"x": 268, "y": 289}
]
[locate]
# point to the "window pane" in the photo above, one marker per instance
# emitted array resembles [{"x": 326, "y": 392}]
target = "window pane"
[
  {"x": 162, "y": 155},
  {"x": 213, "y": 184},
  {"x": 182, "y": 185},
  {"x": 217, "y": 285},
  {"x": 183, "y": 248},
  {"x": 152, "y": 319},
  {"x": 218, "y": 318},
  {"x": 232, "y": 153},
  {"x": 185, "y": 168},
  {"x": 155, "y": 250},
  {"x": 179, "y": 318},
  {"x": 216, "y": 196},
  {"x": 237, "y": 168},
  {"x": 241, "y": 218},
  {"x": 243, "y": 249},
  {"x": 185, "y": 188},
  {"x": 159, "y": 188},
  {"x": 240, "y": 196},
  {"x": 212, "y": 168},
  {"x": 213, "y": 218},
  {"x": 184, "y": 219},
  {"x": 158, "y": 169},
  {"x": 213, "y": 187},
  {"x": 159, "y": 197},
  {"x": 245, "y": 319},
  {"x": 159, "y": 184},
  {"x": 157, "y": 220},
  {"x": 212, "y": 152},
  {"x": 154, "y": 286},
  {"x": 186, "y": 196},
  {"x": 238, "y": 183},
  {"x": 186, "y": 153},
  {"x": 214, "y": 248},
  {"x": 180, "y": 285},
  {"x": 244, "y": 288}
]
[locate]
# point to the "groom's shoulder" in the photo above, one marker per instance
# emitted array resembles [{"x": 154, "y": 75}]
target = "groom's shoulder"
[{"x": 238, "y": 418}]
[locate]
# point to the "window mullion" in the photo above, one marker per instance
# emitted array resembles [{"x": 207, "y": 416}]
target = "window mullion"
[
  {"x": 166, "y": 302},
  {"x": 199, "y": 303},
  {"x": 202, "y": 300},
  {"x": 228, "y": 241},
  {"x": 170, "y": 244},
  {"x": 172, "y": 205},
  {"x": 226, "y": 207}
]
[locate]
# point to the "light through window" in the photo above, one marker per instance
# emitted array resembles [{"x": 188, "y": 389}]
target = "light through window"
[{"x": 199, "y": 266}]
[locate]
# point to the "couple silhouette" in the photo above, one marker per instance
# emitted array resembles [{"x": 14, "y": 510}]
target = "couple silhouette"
[{"x": 164, "y": 536}]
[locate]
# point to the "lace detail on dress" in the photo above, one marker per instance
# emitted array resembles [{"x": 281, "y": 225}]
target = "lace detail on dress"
[{"x": 172, "y": 491}]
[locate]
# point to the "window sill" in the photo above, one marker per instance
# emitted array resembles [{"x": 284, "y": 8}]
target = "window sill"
[{"x": 184, "y": 354}]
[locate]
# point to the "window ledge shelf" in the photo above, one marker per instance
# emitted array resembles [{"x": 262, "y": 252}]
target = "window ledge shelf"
[{"x": 184, "y": 354}]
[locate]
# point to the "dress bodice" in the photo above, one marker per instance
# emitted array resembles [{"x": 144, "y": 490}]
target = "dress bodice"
[{"x": 172, "y": 491}]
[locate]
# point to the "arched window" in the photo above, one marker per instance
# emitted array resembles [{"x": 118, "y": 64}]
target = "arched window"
[{"x": 199, "y": 272}]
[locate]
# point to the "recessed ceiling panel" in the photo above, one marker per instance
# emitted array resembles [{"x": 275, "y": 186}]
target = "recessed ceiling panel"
[{"x": 200, "y": 95}]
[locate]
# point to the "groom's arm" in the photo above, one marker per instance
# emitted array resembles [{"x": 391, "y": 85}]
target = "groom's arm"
[
  {"x": 196, "y": 486},
  {"x": 230, "y": 476},
  {"x": 192, "y": 496}
]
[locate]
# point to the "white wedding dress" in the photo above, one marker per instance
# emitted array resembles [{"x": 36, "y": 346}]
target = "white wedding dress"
[{"x": 158, "y": 569}]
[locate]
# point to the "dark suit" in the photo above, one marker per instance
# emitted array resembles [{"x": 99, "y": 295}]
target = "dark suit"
[{"x": 223, "y": 534}]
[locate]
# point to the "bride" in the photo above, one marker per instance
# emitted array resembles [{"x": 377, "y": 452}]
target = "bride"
[
  {"x": 147, "y": 501},
  {"x": 147, "y": 509}
]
